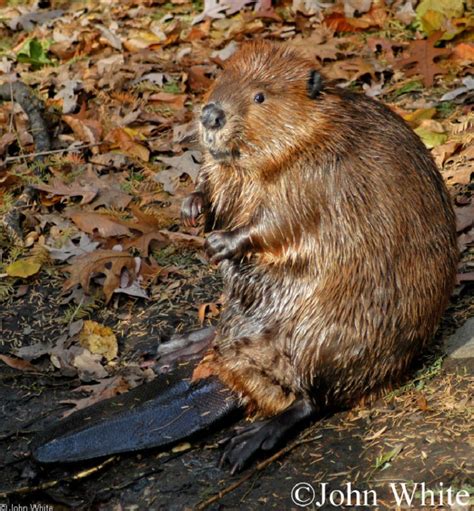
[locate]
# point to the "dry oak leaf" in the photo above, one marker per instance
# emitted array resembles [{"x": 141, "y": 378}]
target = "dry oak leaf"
[
  {"x": 109, "y": 191},
  {"x": 107, "y": 388},
  {"x": 87, "y": 130},
  {"x": 125, "y": 143},
  {"x": 142, "y": 243},
  {"x": 110, "y": 263},
  {"x": 421, "y": 60},
  {"x": 464, "y": 217},
  {"x": 57, "y": 187},
  {"x": 174, "y": 101},
  {"x": 98, "y": 223}
]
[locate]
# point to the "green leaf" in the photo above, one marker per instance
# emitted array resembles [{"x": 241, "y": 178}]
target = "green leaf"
[
  {"x": 384, "y": 459},
  {"x": 430, "y": 138},
  {"x": 35, "y": 52},
  {"x": 412, "y": 86}
]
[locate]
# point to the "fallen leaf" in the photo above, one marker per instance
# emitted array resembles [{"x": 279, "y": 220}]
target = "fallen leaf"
[
  {"x": 107, "y": 388},
  {"x": 188, "y": 163},
  {"x": 87, "y": 130},
  {"x": 433, "y": 15},
  {"x": 465, "y": 240},
  {"x": 468, "y": 85},
  {"x": 430, "y": 137},
  {"x": 444, "y": 151},
  {"x": 143, "y": 242},
  {"x": 68, "y": 95},
  {"x": 97, "y": 223},
  {"x": 464, "y": 217},
  {"x": 464, "y": 52},
  {"x": 57, "y": 187},
  {"x": 87, "y": 364},
  {"x": 71, "y": 249},
  {"x": 174, "y": 101},
  {"x": 421, "y": 59},
  {"x": 110, "y": 263},
  {"x": 23, "y": 268},
  {"x": 126, "y": 144},
  {"x": 99, "y": 339},
  {"x": 17, "y": 363}
]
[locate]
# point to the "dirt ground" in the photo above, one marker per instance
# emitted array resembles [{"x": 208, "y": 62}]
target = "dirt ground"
[{"x": 418, "y": 434}]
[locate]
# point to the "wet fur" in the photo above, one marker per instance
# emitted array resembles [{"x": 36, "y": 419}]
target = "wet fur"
[{"x": 353, "y": 252}]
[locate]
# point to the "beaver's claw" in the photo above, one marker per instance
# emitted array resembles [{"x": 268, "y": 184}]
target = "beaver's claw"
[
  {"x": 191, "y": 208},
  {"x": 226, "y": 245},
  {"x": 260, "y": 437},
  {"x": 265, "y": 435}
]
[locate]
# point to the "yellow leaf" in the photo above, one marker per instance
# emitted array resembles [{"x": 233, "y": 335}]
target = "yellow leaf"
[
  {"x": 414, "y": 118},
  {"x": 431, "y": 138},
  {"x": 23, "y": 268},
  {"x": 434, "y": 14},
  {"x": 99, "y": 339}
]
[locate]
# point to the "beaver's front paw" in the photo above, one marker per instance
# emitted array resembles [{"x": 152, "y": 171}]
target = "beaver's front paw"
[
  {"x": 226, "y": 245},
  {"x": 191, "y": 208}
]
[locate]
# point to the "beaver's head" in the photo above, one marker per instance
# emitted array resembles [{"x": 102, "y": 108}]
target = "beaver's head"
[{"x": 259, "y": 105}]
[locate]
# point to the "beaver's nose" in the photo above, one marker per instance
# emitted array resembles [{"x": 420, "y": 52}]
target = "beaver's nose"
[{"x": 212, "y": 117}]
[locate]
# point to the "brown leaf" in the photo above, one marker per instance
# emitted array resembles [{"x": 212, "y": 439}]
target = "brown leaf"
[
  {"x": 174, "y": 101},
  {"x": 421, "y": 59},
  {"x": 97, "y": 223},
  {"x": 187, "y": 163},
  {"x": 197, "y": 79},
  {"x": 465, "y": 240},
  {"x": 87, "y": 130},
  {"x": 442, "y": 152},
  {"x": 5, "y": 140},
  {"x": 126, "y": 144},
  {"x": 110, "y": 193},
  {"x": 110, "y": 263},
  {"x": 17, "y": 363},
  {"x": 142, "y": 243},
  {"x": 106, "y": 389},
  {"x": 350, "y": 69},
  {"x": 465, "y": 277},
  {"x": 57, "y": 187},
  {"x": 464, "y": 217}
]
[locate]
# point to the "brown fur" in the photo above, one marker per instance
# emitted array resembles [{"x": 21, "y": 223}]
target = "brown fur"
[{"x": 353, "y": 247}]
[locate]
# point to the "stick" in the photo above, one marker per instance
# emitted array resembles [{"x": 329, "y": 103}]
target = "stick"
[{"x": 260, "y": 466}]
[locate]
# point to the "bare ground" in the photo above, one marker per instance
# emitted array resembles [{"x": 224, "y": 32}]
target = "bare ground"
[{"x": 418, "y": 434}]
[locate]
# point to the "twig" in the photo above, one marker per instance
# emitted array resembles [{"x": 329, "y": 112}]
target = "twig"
[
  {"x": 260, "y": 466},
  {"x": 51, "y": 484},
  {"x": 45, "y": 153}
]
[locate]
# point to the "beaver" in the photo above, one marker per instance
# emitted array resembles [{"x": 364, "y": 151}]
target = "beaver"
[{"x": 336, "y": 240}]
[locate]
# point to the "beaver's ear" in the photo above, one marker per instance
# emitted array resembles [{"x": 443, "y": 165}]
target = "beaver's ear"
[{"x": 315, "y": 84}]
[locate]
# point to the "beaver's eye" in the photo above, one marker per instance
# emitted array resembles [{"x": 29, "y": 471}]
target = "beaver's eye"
[{"x": 259, "y": 97}]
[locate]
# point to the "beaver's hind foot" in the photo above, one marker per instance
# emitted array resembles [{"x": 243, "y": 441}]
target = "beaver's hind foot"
[{"x": 266, "y": 435}]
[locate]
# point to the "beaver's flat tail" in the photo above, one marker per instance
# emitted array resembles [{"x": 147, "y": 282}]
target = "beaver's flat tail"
[{"x": 167, "y": 410}]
